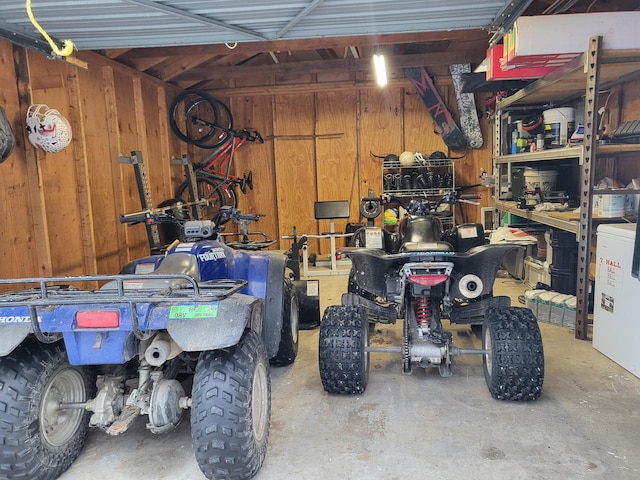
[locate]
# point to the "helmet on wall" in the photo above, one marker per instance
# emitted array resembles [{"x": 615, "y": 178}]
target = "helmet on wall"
[
  {"x": 406, "y": 158},
  {"x": 419, "y": 159},
  {"x": 392, "y": 158},
  {"x": 47, "y": 128}
]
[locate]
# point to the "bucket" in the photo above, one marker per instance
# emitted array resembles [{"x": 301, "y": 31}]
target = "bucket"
[
  {"x": 563, "y": 281},
  {"x": 543, "y": 179},
  {"x": 611, "y": 205},
  {"x": 632, "y": 202},
  {"x": 565, "y": 250},
  {"x": 558, "y": 126}
]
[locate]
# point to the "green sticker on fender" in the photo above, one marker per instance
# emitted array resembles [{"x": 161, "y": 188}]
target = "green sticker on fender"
[{"x": 193, "y": 311}]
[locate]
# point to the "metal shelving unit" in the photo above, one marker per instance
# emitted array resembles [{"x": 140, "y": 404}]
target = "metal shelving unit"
[
  {"x": 430, "y": 179},
  {"x": 586, "y": 75}
]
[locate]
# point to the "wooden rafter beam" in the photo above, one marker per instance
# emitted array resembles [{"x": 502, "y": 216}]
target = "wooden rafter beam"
[
  {"x": 347, "y": 64},
  {"x": 302, "y": 88},
  {"x": 252, "y": 48}
]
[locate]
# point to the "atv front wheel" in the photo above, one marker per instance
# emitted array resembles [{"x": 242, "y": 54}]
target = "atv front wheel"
[
  {"x": 39, "y": 439},
  {"x": 288, "y": 347},
  {"x": 344, "y": 361},
  {"x": 231, "y": 408},
  {"x": 514, "y": 370}
]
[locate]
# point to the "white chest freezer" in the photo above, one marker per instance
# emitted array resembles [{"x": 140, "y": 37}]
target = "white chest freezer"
[{"x": 616, "y": 310}]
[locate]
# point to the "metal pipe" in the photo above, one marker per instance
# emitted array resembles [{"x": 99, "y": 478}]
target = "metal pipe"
[
  {"x": 383, "y": 349},
  {"x": 74, "y": 405},
  {"x": 158, "y": 352},
  {"x": 467, "y": 351},
  {"x": 426, "y": 350}
]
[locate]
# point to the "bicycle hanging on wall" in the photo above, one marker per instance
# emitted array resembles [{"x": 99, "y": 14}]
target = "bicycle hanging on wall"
[{"x": 199, "y": 119}]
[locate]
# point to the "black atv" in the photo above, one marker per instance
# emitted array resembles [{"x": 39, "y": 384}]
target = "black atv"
[{"x": 423, "y": 275}]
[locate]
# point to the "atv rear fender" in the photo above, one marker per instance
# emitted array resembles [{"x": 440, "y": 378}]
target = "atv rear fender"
[
  {"x": 376, "y": 271},
  {"x": 265, "y": 272},
  {"x": 198, "y": 317}
]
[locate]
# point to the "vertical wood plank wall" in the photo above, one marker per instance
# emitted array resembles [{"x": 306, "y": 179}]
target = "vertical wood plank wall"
[
  {"x": 324, "y": 146},
  {"x": 61, "y": 211}
]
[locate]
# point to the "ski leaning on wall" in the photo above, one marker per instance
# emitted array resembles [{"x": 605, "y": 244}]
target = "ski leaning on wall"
[{"x": 469, "y": 122}]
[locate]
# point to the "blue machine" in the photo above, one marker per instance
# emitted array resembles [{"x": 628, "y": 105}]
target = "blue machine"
[{"x": 203, "y": 312}]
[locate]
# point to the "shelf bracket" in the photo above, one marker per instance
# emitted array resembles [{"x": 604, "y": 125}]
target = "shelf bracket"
[{"x": 587, "y": 174}]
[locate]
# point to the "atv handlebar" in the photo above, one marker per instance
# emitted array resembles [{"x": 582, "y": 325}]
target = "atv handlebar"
[
  {"x": 425, "y": 206},
  {"x": 192, "y": 228},
  {"x": 230, "y": 213}
]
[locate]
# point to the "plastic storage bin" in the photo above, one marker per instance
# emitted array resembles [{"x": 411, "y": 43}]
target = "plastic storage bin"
[
  {"x": 545, "y": 180},
  {"x": 557, "y": 309},
  {"x": 569, "y": 319},
  {"x": 544, "y": 306},
  {"x": 531, "y": 300}
]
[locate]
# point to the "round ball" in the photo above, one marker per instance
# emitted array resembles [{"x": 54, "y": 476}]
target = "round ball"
[{"x": 406, "y": 159}]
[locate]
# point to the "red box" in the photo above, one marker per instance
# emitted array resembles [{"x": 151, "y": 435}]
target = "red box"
[{"x": 498, "y": 70}]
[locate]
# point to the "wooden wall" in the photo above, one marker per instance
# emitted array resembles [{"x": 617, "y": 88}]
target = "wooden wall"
[
  {"x": 319, "y": 147},
  {"x": 61, "y": 211}
]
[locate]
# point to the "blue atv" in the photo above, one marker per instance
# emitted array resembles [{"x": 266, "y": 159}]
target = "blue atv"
[{"x": 195, "y": 328}]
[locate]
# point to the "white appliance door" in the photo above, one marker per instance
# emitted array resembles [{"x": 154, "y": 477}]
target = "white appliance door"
[{"x": 616, "y": 321}]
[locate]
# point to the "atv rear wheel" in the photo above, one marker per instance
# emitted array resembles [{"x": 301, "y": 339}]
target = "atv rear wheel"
[
  {"x": 514, "y": 370},
  {"x": 231, "y": 409},
  {"x": 344, "y": 361},
  {"x": 40, "y": 440},
  {"x": 289, "y": 336}
]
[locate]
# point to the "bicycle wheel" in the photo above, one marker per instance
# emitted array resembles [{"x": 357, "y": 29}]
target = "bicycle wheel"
[
  {"x": 224, "y": 120},
  {"x": 197, "y": 118},
  {"x": 211, "y": 190}
]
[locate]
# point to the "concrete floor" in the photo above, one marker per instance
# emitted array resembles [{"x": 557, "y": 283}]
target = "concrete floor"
[{"x": 586, "y": 424}]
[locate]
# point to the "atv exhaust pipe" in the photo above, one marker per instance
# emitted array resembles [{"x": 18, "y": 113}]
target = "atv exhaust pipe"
[{"x": 161, "y": 349}]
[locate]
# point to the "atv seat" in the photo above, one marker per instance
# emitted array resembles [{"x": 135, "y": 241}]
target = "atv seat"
[
  {"x": 180, "y": 263},
  {"x": 174, "y": 263},
  {"x": 426, "y": 247}
]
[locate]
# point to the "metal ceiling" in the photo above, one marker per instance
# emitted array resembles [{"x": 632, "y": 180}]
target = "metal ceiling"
[{"x": 110, "y": 24}]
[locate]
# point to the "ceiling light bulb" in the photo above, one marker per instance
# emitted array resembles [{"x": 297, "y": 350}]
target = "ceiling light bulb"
[{"x": 381, "y": 70}]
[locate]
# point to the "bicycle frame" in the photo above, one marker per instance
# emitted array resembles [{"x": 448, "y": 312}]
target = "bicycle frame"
[{"x": 218, "y": 164}]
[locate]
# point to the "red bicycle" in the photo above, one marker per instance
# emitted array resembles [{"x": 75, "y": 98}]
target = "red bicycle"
[{"x": 199, "y": 119}]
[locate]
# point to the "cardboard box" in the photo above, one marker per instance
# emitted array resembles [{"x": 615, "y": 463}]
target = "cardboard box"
[{"x": 551, "y": 40}]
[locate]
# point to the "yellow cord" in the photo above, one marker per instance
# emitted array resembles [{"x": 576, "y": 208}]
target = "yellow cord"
[
  {"x": 171, "y": 245},
  {"x": 67, "y": 45}
]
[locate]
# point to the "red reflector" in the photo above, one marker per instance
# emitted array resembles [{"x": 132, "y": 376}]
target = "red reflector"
[
  {"x": 428, "y": 280},
  {"x": 98, "y": 319}
]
